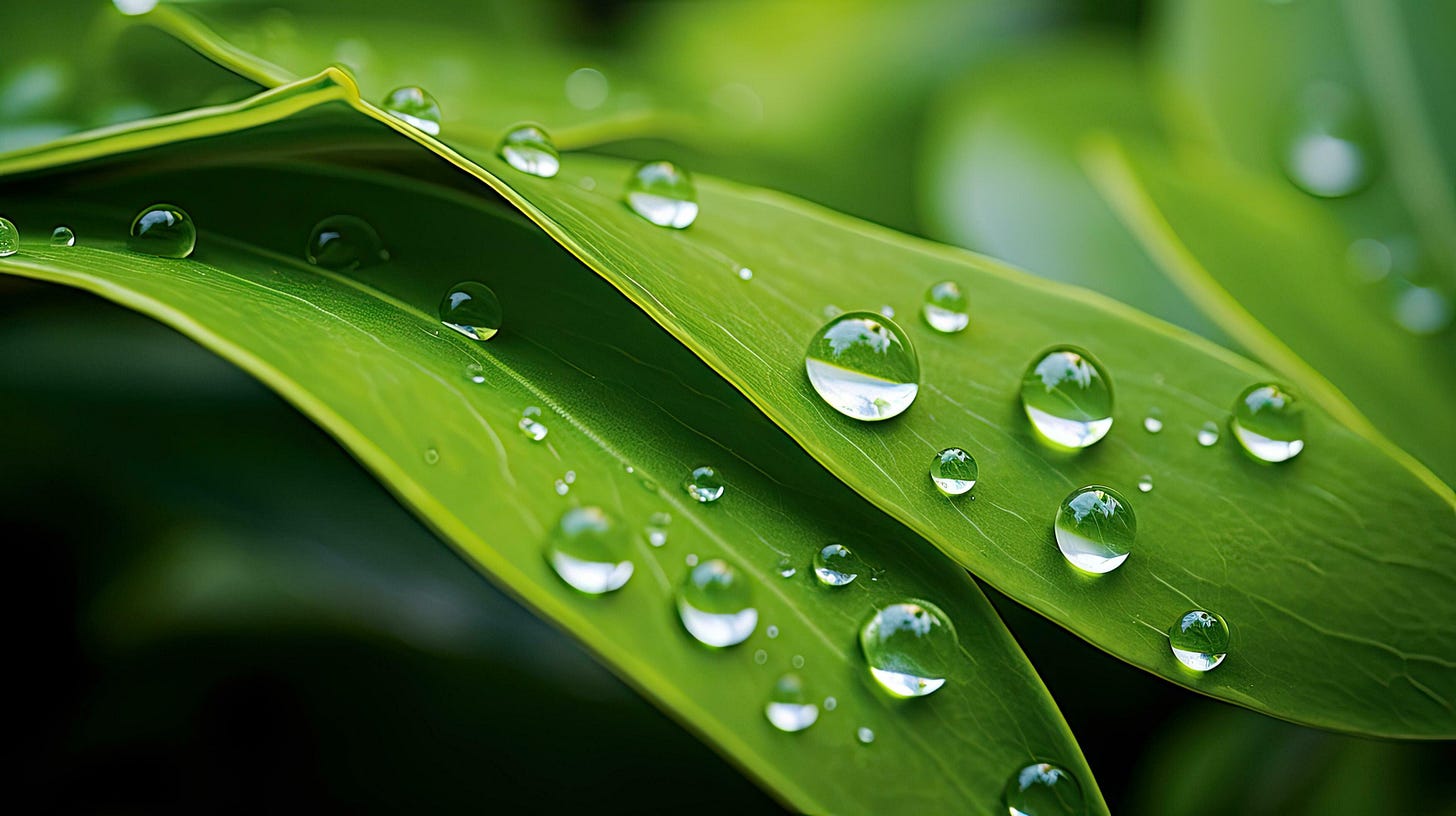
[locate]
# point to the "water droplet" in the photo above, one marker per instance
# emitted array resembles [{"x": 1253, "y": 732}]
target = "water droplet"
[
  {"x": 9, "y": 238},
  {"x": 1269, "y": 423},
  {"x": 772, "y": 632},
  {"x": 797, "y": 661},
  {"x": 946, "y": 307},
  {"x": 864, "y": 366},
  {"x": 691, "y": 560},
  {"x": 587, "y": 88},
  {"x": 832, "y": 311},
  {"x": 714, "y": 604},
  {"x": 527, "y": 148},
  {"x": 1199, "y": 640},
  {"x": 530, "y": 423},
  {"x": 1422, "y": 310},
  {"x": 744, "y": 273},
  {"x": 1068, "y": 397},
  {"x": 163, "y": 230},
  {"x": 663, "y": 194},
  {"x": 657, "y": 529},
  {"x": 786, "y": 567},
  {"x": 1043, "y": 789},
  {"x": 1095, "y": 529},
  {"x": 1145, "y": 483},
  {"x": 1330, "y": 152},
  {"x": 837, "y": 565},
  {"x": 472, "y": 309},
  {"x": 864, "y": 735},
  {"x": 415, "y": 106},
  {"x": 830, "y": 704},
  {"x": 586, "y": 183},
  {"x": 1370, "y": 260},
  {"x": 788, "y": 706},
  {"x": 909, "y": 647},
  {"x": 562, "y": 488},
  {"x": 1208, "y": 435},
  {"x": 760, "y": 657},
  {"x": 63, "y": 237},
  {"x": 432, "y": 456},
  {"x": 342, "y": 242},
  {"x": 1153, "y": 422},
  {"x": 954, "y": 471},
  {"x": 475, "y": 372},
  {"x": 570, "y": 477},
  {"x": 704, "y": 485},
  {"x": 131, "y": 8},
  {"x": 887, "y": 310},
  {"x": 589, "y": 551}
]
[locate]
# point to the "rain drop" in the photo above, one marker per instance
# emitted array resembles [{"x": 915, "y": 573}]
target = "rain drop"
[
  {"x": 9, "y": 238},
  {"x": 864, "y": 735},
  {"x": 772, "y": 632},
  {"x": 1095, "y": 529},
  {"x": 415, "y": 106},
  {"x": 588, "y": 550},
  {"x": 954, "y": 471},
  {"x": 531, "y": 424},
  {"x": 946, "y": 307},
  {"x": 343, "y": 242},
  {"x": 837, "y": 565},
  {"x": 909, "y": 647},
  {"x": 663, "y": 194},
  {"x": 1153, "y": 422},
  {"x": 704, "y": 485},
  {"x": 475, "y": 372},
  {"x": 1330, "y": 148},
  {"x": 786, "y": 568},
  {"x": 63, "y": 237},
  {"x": 163, "y": 230},
  {"x": 744, "y": 273},
  {"x": 527, "y": 148},
  {"x": 830, "y": 704},
  {"x": 1068, "y": 397},
  {"x": 863, "y": 366},
  {"x": 715, "y": 604},
  {"x": 472, "y": 309},
  {"x": 1043, "y": 789},
  {"x": 1208, "y": 435},
  {"x": 657, "y": 529},
  {"x": 1268, "y": 421},
  {"x": 1199, "y": 640},
  {"x": 1145, "y": 483}
]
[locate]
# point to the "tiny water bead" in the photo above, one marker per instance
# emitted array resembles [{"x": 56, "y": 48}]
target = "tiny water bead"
[
  {"x": 9, "y": 238},
  {"x": 772, "y": 632},
  {"x": 1208, "y": 435},
  {"x": 1068, "y": 397},
  {"x": 1145, "y": 483},
  {"x": 163, "y": 230},
  {"x": 472, "y": 309},
  {"x": 1268, "y": 421},
  {"x": 1153, "y": 422},
  {"x": 1095, "y": 529},
  {"x": 527, "y": 148},
  {"x": 954, "y": 471},
  {"x": 760, "y": 657},
  {"x": 589, "y": 551},
  {"x": 1043, "y": 789},
  {"x": 863, "y": 366},
  {"x": 432, "y": 456},
  {"x": 415, "y": 106},
  {"x": 715, "y": 604},
  {"x": 946, "y": 307},
  {"x": 788, "y": 706},
  {"x": 909, "y": 647},
  {"x": 745, "y": 274},
  {"x": 786, "y": 568},
  {"x": 704, "y": 485},
  {"x": 531, "y": 424},
  {"x": 662, "y": 193},
  {"x": 1199, "y": 640},
  {"x": 657, "y": 529},
  {"x": 887, "y": 310},
  {"x": 864, "y": 735},
  {"x": 1331, "y": 145},
  {"x": 344, "y": 242},
  {"x": 830, "y": 703},
  {"x": 475, "y": 372},
  {"x": 837, "y": 565},
  {"x": 63, "y": 237}
]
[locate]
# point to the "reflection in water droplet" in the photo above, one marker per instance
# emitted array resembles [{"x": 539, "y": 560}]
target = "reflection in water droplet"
[
  {"x": 9, "y": 238},
  {"x": 714, "y": 604},
  {"x": 788, "y": 706},
  {"x": 1068, "y": 397},
  {"x": 1095, "y": 529},
  {"x": 909, "y": 647},
  {"x": 529, "y": 149},
  {"x": 1330, "y": 150},
  {"x": 1043, "y": 789},
  {"x": 945, "y": 308},
  {"x": 657, "y": 529},
  {"x": 1199, "y": 640},
  {"x": 1145, "y": 483},
  {"x": 1208, "y": 435},
  {"x": 342, "y": 242},
  {"x": 415, "y": 106},
  {"x": 163, "y": 230},
  {"x": 472, "y": 309},
  {"x": 588, "y": 550},
  {"x": 63, "y": 237},
  {"x": 837, "y": 565},
  {"x": 1268, "y": 422},
  {"x": 953, "y": 471},
  {"x": 863, "y": 366},
  {"x": 704, "y": 485},
  {"x": 663, "y": 194},
  {"x": 864, "y": 735}
]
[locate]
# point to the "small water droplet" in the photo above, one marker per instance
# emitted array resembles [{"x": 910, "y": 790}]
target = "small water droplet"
[
  {"x": 954, "y": 471},
  {"x": 1068, "y": 397},
  {"x": 63, "y": 237},
  {"x": 432, "y": 456},
  {"x": 163, "y": 230},
  {"x": 1199, "y": 640},
  {"x": 529, "y": 149},
  {"x": 1145, "y": 483},
  {"x": 562, "y": 488},
  {"x": 772, "y": 632},
  {"x": 1330, "y": 151},
  {"x": 472, "y": 309},
  {"x": 663, "y": 193},
  {"x": 1370, "y": 260},
  {"x": 415, "y": 106},
  {"x": 909, "y": 647},
  {"x": 691, "y": 560},
  {"x": 531, "y": 424},
  {"x": 760, "y": 657},
  {"x": 1153, "y": 422},
  {"x": 343, "y": 242},
  {"x": 9, "y": 238},
  {"x": 786, "y": 567},
  {"x": 1043, "y": 789},
  {"x": 837, "y": 565},
  {"x": 131, "y": 8},
  {"x": 1422, "y": 310},
  {"x": 715, "y": 604},
  {"x": 570, "y": 477},
  {"x": 1268, "y": 422},
  {"x": 832, "y": 311},
  {"x": 788, "y": 706},
  {"x": 1095, "y": 529},
  {"x": 863, "y": 366},
  {"x": 704, "y": 485},
  {"x": 657, "y": 529},
  {"x": 797, "y": 661},
  {"x": 475, "y": 372},
  {"x": 830, "y": 704},
  {"x": 864, "y": 735},
  {"x": 588, "y": 550},
  {"x": 887, "y": 310},
  {"x": 946, "y": 308},
  {"x": 587, "y": 88},
  {"x": 1208, "y": 435},
  {"x": 586, "y": 183},
  {"x": 744, "y": 273}
]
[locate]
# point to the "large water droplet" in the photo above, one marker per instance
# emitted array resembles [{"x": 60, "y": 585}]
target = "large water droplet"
[
  {"x": 715, "y": 604},
  {"x": 9, "y": 238},
  {"x": 788, "y": 706},
  {"x": 1068, "y": 397},
  {"x": 1043, "y": 789},
  {"x": 1095, "y": 529},
  {"x": 415, "y": 106},
  {"x": 472, "y": 309},
  {"x": 589, "y": 551},
  {"x": 342, "y": 242},
  {"x": 63, "y": 237},
  {"x": 531, "y": 424},
  {"x": 1330, "y": 151},
  {"x": 954, "y": 471},
  {"x": 163, "y": 230},
  {"x": 910, "y": 647},
  {"x": 864, "y": 366},
  {"x": 1268, "y": 421},
  {"x": 662, "y": 193},
  {"x": 945, "y": 307},
  {"x": 837, "y": 565},
  {"x": 527, "y": 148},
  {"x": 656, "y": 529},
  {"x": 704, "y": 485},
  {"x": 1199, "y": 640},
  {"x": 1208, "y": 435}
]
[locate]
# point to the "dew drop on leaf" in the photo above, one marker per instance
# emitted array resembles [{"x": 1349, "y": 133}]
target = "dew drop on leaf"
[
  {"x": 863, "y": 366},
  {"x": 788, "y": 706},
  {"x": 954, "y": 471},
  {"x": 1199, "y": 640},
  {"x": 529, "y": 149},
  {"x": 414, "y": 105},
  {"x": 472, "y": 309},
  {"x": 1095, "y": 529},
  {"x": 837, "y": 565},
  {"x": 163, "y": 230},
  {"x": 715, "y": 604},
  {"x": 946, "y": 308},
  {"x": 63, "y": 237},
  {"x": 1268, "y": 422},
  {"x": 1068, "y": 397},
  {"x": 909, "y": 647},
  {"x": 1043, "y": 789},
  {"x": 588, "y": 550},
  {"x": 343, "y": 242},
  {"x": 9, "y": 238},
  {"x": 704, "y": 485},
  {"x": 662, "y": 193}
]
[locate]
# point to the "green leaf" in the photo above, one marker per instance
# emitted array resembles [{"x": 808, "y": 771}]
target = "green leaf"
[{"x": 628, "y": 410}]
